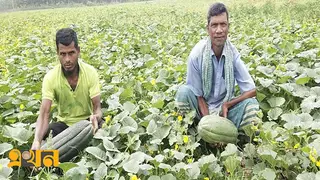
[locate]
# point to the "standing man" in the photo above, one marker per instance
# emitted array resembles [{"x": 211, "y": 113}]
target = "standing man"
[
  {"x": 73, "y": 85},
  {"x": 214, "y": 65}
]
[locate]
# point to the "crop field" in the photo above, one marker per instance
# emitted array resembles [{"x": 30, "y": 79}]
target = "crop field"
[{"x": 140, "y": 51}]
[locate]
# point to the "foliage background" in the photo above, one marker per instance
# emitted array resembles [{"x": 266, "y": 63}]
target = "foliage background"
[{"x": 140, "y": 51}]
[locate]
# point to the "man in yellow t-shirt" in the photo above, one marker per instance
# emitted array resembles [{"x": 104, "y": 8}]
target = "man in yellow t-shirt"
[{"x": 73, "y": 85}]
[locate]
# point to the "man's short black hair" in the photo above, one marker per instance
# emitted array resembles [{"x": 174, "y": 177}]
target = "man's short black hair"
[
  {"x": 65, "y": 36},
  {"x": 217, "y": 9}
]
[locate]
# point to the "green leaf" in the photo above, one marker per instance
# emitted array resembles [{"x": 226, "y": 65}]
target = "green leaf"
[
  {"x": 129, "y": 125},
  {"x": 21, "y": 135},
  {"x": 230, "y": 150},
  {"x": 168, "y": 177},
  {"x": 7, "y": 112},
  {"x": 127, "y": 93},
  {"x": 310, "y": 103},
  {"x": 250, "y": 150},
  {"x": 267, "y": 71},
  {"x": 131, "y": 166},
  {"x": 290, "y": 117},
  {"x": 108, "y": 145},
  {"x": 193, "y": 171},
  {"x": 257, "y": 168},
  {"x": 276, "y": 101},
  {"x": 65, "y": 166},
  {"x": 140, "y": 157},
  {"x": 128, "y": 106},
  {"x": 159, "y": 158},
  {"x": 152, "y": 127},
  {"x": 164, "y": 166},
  {"x": 179, "y": 155},
  {"x": 265, "y": 82},
  {"x": 97, "y": 153},
  {"x": 101, "y": 172},
  {"x": 154, "y": 178},
  {"x": 303, "y": 80},
  {"x": 268, "y": 174},
  {"x": 4, "y": 88},
  {"x": 145, "y": 167},
  {"x": 274, "y": 113},
  {"x": 207, "y": 159},
  {"x": 158, "y": 104},
  {"x": 306, "y": 120},
  {"x": 318, "y": 175},
  {"x": 260, "y": 96},
  {"x": 267, "y": 154},
  {"x": 162, "y": 132},
  {"x": 266, "y": 151},
  {"x": 77, "y": 173},
  {"x": 306, "y": 176},
  {"x": 177, "y": 167},
  {"x": 5, "y": 171},
  {"x": 231, "y": 163},
  {"x": 4, "y": 147}
]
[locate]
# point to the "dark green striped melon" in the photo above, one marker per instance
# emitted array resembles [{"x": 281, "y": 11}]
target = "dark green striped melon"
[
  {"x": 71, "y": 141},
  {"x": 216, "y": 129}
]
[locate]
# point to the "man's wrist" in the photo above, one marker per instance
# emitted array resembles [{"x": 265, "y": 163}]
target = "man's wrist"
[
  {"x": 36, "y": 141},
  {"x": 227, "y": 104},
  {"x": 97, "y": 117}
]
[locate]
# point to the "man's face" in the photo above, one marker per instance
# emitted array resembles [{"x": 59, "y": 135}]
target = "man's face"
[
  {"x": 68, "y": 56},
  {"x": 218, "y": 28}
]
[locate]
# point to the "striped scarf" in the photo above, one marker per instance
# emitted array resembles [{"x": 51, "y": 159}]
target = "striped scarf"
[{"x": 207, "y": 70}]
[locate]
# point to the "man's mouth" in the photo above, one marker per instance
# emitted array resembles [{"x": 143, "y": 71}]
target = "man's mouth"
[{"x": 68, "y": 66}]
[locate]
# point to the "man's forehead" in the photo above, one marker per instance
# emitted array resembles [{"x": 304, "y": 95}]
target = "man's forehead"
[
  {"x": 66, "y": 47},
  {"x": 219, "y": 17}
]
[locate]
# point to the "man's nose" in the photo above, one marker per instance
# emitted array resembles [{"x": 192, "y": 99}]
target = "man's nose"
[
  {"x": 219, "y": 29},
  {"x": 67, "y": 58}
]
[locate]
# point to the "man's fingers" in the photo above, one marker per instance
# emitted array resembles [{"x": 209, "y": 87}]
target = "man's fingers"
[
  {"x": 94, "y": 123},
  {"x": 95, "y": 129},
  {"x": 224, "y": 114},
  {"x": 35, "y": 145}
]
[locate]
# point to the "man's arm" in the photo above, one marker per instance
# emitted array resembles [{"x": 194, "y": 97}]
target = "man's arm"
[
  {"x": 42, "y": 123},
  {"x": 244, "y": 81},
  {"x": 97, "y": 113},
  {"x": 243, "y": 96},
  {"x": 203, "y": 107}
]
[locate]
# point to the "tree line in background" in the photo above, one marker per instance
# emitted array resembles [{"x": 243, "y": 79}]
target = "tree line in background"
[{"x": 25, "y": 4}]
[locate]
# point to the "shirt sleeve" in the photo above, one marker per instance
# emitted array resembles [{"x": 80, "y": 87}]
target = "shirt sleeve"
[
  {"x": 194, "y": 80},
  {"x": 242, "y": 76},
  {"x": 47, "y": 88},
  {"x": 94, "y": 89}
]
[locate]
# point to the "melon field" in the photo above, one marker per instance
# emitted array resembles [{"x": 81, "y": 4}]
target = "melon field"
[{"x": 140, "y": 51}]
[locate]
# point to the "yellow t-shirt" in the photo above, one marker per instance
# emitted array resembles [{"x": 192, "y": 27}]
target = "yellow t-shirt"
[{"x": 72, "y": 105}]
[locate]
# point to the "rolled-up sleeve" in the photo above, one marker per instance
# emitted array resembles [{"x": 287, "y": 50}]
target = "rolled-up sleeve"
[
  {"x": 94, "y": 89},
  {"x": 47, "y": 87},
  {"x": 194, "y": 80},
  {"x": 242, "y": 76}
]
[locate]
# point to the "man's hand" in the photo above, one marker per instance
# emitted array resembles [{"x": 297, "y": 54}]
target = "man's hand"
[
  {"x": 229, "y": 104},
  {"x": 94, "y": 120},
  {"x": 225, "y": 109},
  {"x": 35, "y": 145},
  {"x": 203, "y": 107}
]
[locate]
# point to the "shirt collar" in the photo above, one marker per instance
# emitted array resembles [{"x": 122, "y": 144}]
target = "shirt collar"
[{"x": 223, "y": 53}]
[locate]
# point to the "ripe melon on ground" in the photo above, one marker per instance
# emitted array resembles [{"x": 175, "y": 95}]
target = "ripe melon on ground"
[{"x": 216, "y": 129}]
